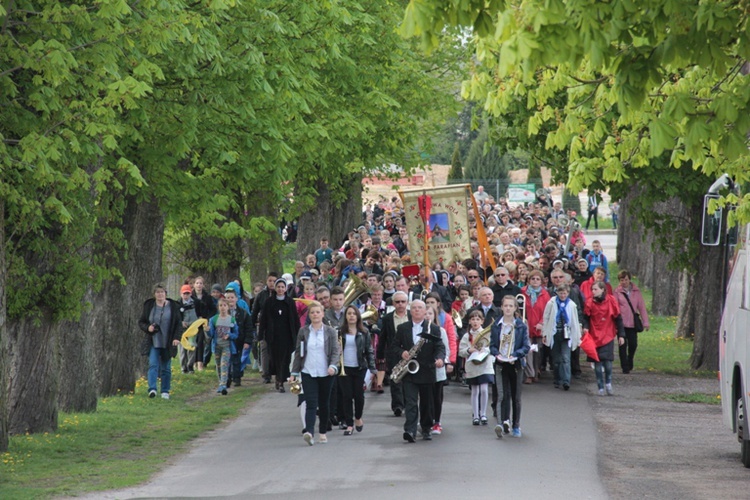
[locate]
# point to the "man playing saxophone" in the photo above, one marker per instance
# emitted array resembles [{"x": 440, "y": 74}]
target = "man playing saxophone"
[{"x": 418, "y": 386}]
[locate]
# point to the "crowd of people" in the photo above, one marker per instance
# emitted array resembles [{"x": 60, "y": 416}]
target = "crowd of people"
[{"x": 358, "y": 316}]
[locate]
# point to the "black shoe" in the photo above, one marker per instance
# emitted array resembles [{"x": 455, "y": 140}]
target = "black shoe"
[
  {"x": 223, "y": 392},
  {"x": 625, "y": 371},
  {"x": 237, "y": 382},
  {"x": 229, "y": 383},
  {"x": 266, "y": 380},
  {"x": 409, "y": 437},
  {"x": 566, "y": 386},
  {"x": 398, "y": 412},
  {"x": 427, "y": 436}
]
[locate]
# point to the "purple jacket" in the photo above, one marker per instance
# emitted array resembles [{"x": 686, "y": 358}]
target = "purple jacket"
[{"x": 638, "y": 305}]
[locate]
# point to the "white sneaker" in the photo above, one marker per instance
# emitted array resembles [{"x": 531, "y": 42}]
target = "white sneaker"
[
  {"x": 152, "y": 393},
  {"x": 609, "y": 390},
  {"x": 601, "y": 392},
  {"x": 165, "y": 395},
  {"x": 308, "y": 438}
]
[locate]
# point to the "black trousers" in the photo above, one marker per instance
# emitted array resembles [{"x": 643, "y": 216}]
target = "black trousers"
[
  {"x": 317, "y": 393},
  {"x": 418, "y": 399},
  {"x": 437, "y": 401},
  {"x": 593, "y": 213},
  {"x": 352, "y": 392},
  {"x": 397, "y": 395},
  {"x": 575, "y": 361},
  {"x": 627, "y": 350},
  {"x": 508, "y": 379}
]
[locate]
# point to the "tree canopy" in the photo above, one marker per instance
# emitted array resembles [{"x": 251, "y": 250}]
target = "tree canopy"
[{"x": 619, "y": 84}]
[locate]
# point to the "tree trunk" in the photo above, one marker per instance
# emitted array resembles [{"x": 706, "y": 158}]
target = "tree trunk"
[
  {"x": 264, "y": 252},
  {"x": 208, "y": 257},
  {"x": 639, "y": 252},
  {"x": 117, "y": 307},
  {"x": 329, "y": 218},
  {"x": 4, "y": 354},
  {"x": 77, "y": 374},
  {"x": 33, "y": 375},
  {"x": 700, "y": 313}
]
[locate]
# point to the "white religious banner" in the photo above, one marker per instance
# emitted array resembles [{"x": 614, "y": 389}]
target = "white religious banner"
[
  {"x": 438, "y": 224},
  {"x": 521, "y": 193}
]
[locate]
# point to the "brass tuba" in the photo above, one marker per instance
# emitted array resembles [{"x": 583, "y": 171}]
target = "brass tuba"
[{"x": 354, "y": 289}]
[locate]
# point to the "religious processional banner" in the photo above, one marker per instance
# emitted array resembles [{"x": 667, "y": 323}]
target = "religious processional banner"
[{"x": 438, "y": 224}]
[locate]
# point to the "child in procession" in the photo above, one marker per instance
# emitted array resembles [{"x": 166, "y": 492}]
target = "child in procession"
[
  {"x": 479, "y": 375},
  {"x": 223, "y": 330}
]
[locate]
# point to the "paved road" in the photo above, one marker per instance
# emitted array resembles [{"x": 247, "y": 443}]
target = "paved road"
[{"x": 262, "y": 455}]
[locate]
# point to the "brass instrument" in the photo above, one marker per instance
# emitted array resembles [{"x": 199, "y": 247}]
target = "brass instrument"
[
  {"x": 521, "y": 300},
  {"x": 410, "y": 365},
  {"x": 342, "y": 372},
  {"x": 481, "y": 340},
  {"x": 295, "y": 387},
  {"x": 371, "y": 314},
  {"x": 457, "y": 318},
  {"x": 563, "y": 220},
  {"x": 354, "y": 289},
  {"x": 506, "y": 343}
]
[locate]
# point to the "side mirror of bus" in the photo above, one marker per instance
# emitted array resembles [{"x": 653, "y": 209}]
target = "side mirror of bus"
[{"x": 711, "y": 228}]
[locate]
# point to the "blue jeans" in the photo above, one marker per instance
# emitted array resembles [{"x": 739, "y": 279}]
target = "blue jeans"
[
  {"x": 603, "y": 371},
  {"x": 561, "y": 360},
  {"x": 158, "y": 368}
]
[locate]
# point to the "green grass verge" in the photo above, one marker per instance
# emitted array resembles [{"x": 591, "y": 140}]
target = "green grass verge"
[
  {"x": 692, "y": 397},
  {"x": 123, "y": 443},
  {"x": 658, "y": 349}
]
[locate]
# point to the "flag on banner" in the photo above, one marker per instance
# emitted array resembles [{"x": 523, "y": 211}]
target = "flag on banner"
[{"x": 447, "y": 225}]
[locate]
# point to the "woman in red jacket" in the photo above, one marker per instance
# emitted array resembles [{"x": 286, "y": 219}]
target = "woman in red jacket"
[
  {"x": 600, "y": 275},
  {"x": 605, "y": 323},
  {"x": 536, "y": 300}
]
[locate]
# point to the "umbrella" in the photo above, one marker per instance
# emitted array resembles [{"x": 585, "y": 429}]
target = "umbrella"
[
  {"x": 192, "y": 331},
  {"x": 588, "y": 346}
]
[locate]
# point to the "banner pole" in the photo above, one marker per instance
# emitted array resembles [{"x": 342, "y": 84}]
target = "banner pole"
[{"x": 485, "y": 254}]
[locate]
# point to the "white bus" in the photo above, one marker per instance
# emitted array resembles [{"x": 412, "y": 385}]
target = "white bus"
[{"x": 734, "y": 330}]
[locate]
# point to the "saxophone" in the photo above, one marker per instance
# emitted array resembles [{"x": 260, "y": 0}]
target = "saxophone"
[{"x": 410, "y": 365}]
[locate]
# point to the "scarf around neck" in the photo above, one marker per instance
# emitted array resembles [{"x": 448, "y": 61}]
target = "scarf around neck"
[{"x": 562, "y": 313}]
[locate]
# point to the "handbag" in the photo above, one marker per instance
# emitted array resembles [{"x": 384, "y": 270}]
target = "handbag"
[{"x": 637, "y": 323}]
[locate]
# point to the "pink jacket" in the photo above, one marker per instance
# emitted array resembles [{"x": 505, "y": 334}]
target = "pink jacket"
[{"x": 639, "y": 305}]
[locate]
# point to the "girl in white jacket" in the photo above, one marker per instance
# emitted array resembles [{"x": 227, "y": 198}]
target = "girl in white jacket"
[{"x": 479, "y": 370}]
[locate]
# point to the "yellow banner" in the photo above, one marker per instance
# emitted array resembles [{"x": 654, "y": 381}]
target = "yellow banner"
[{"x": 449, "y": 231}]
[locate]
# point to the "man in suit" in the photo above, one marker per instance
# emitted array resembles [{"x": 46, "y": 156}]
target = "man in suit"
[
  {"x": 503, "y": 286},
  {"x": 418, "y": 387},
  {"x": 389, "y": 323},
  {"x": 428, "y": 282}
]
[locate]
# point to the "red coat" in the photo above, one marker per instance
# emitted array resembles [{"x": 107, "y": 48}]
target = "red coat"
[
  {"x": 586, "y": 288},
  {"x": 602, "y": 326},
  {"x": 535, "y": 313}
]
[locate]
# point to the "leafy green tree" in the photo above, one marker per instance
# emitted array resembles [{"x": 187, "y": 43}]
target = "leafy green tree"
[
  {"x": 623, "y": 91},
  {"x": 456, "y": 172},
  {"x": 485, "y": 161}
]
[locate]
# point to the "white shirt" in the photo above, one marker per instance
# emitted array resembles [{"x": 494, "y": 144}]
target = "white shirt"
[
  {"x": 316, "y": 361},
  {"x": 350, "y": 351},
  {"x": 416, "y": 331}
]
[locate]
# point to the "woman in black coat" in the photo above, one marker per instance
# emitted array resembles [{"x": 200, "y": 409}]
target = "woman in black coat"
[
  {"x": 161, "y": 322},
  {"x": 278, "y": 326}
]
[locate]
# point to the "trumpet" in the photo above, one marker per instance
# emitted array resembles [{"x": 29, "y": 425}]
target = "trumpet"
[
  {"x": 457, "y": 318},
  {"x": 521, "y": 300},
  {"x": 295, "y": 387}
]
